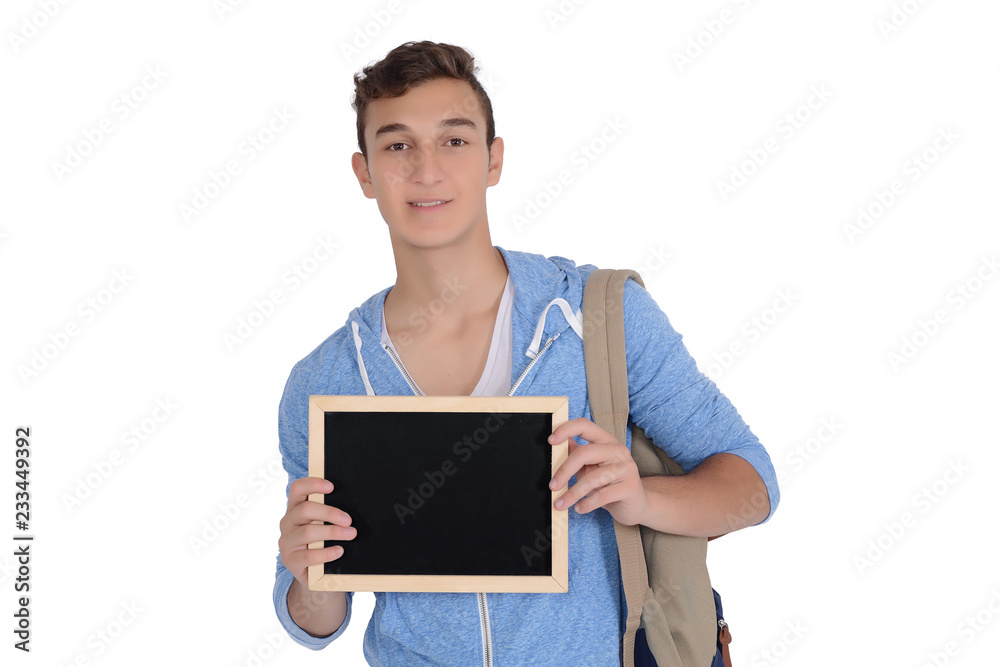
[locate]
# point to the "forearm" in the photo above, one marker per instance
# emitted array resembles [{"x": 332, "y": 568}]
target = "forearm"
[
  {"x": 320, "y": 613},
  {"x": 721, "y": 495}
]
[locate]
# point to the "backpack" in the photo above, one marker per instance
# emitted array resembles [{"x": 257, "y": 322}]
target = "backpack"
[{"x": 667, "y": 589}]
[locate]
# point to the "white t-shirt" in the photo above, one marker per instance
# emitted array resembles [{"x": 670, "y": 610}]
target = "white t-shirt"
[{"x": 495, "y": 380}]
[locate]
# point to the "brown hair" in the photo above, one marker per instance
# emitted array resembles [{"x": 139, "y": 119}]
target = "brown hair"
[{"x": 409, "y": 65}]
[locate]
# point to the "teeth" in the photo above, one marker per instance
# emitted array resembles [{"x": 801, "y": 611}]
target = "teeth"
[{"x": 430, "y": 203}]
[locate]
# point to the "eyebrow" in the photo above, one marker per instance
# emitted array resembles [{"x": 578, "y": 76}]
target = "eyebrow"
[{"x": 447, "y": 122}]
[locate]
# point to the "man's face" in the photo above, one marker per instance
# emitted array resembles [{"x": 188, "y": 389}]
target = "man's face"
[{"x": 428, "y": 164}]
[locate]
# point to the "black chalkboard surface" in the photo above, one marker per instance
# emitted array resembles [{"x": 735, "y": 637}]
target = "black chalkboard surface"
[{"x": 448, "y": 493}]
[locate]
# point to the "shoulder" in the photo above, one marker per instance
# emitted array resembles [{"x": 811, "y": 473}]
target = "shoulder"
[
  {"x": 540, "y": 278},
  {"x": 328, "y": 367},
  {"x": 325, "y": 357},
  {"x": 638, "y": 303},
  {"x": 649, "y": 333},
  {"x": 638, "y": 300},
  {"x": 313, "y": 373}
]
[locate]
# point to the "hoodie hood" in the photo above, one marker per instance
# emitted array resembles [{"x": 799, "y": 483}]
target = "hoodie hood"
[{"x": 537, "y": 280}]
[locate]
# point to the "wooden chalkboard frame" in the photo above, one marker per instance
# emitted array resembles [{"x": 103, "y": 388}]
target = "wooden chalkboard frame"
[{"x": 556, "y": 582}]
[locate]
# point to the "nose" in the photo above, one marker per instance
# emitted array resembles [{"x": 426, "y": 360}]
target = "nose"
[{"x": 426, "y": 165}]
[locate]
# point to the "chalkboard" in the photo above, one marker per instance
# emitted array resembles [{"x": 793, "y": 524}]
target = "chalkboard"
[{"x": 447, "y": 493}]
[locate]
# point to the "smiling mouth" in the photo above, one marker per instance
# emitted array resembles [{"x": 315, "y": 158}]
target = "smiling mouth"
[{"x": 428, "y": 204}]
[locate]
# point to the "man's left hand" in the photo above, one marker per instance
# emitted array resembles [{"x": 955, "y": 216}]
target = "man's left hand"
[{"x": 606, "y": 473}]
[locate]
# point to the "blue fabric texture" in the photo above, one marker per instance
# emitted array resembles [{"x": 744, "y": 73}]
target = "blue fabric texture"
[{"x": 679, "y": 408}]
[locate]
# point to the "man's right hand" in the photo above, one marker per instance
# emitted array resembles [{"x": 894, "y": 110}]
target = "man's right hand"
[{"x": 298, "y": 531}]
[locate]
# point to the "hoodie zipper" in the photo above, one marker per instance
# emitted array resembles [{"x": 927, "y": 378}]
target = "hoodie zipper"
[
  {"x": 484, "y": 623},
  {"x": 402, "y": 370},
  {"x": 484, "y": 618},
  {"x": 533, "y": 360},
  {"x": 513, "y": 388}
]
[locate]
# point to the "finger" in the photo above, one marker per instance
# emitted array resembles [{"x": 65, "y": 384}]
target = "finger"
[
  {"x": 602, "y": 497},
  {"x": 300, "y": 538},
  {"x": 588, "y": 485},
  {"x": 314, "y": 511},
  {"x": 569, "y": 429},
  {"x": 300, "y": 489},
  {"x": 315, "y": 532},
  {"x": 592, "y": 454},
  {"x": 300, "y": 561},
  {"x": 583, "y": 427},
  {"x": 310, "y": 511},
  {"x": 324, "y": 555},
  {"x": 558, "y": 439}
]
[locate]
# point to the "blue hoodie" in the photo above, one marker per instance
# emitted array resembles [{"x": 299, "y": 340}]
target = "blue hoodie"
[{"x": 678, "y": 407}]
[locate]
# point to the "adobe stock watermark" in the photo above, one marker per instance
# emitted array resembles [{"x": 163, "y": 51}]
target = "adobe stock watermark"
[
  {"x": 899, "y": 15},
  {"x": 927, "y": 329},
  {"x": 803, "y": 453},
  {"x": 376, "y": 22},
  {"x": 779, "y": 649},
  {"x": 223, "y": 8},
  {"x": 579, "y": 161},
  {"x": 707, "y": 35},
  {"x": 292, "y": 279},
  {"x": 750, "y": 508},
  {"x": 32, "y": 24},
  {"x": 421, "y": 318},
  {"x": 106, "y": 635},
  {"x": 752, "y": 330},
  {"x": 431, "y": 481},
  {"x": 654, "y": 261},
  {"x": 541, "y": 544},
  {"x": 966, "y": 631},
  {"x": 229, "y": 511},
  {"x": 263, "y": 649},
  {"x": 122, "y": 106},
  {"x": 42, "y": 357},
  {"x": 787, "y": 126},
  {"x": 131, "y": 439},
  {"x": 913, "y": 169},
  {"x": 560, "y": 12},
  {"x": 922, "y": 502},
  {"x": 249, "y": 148}
]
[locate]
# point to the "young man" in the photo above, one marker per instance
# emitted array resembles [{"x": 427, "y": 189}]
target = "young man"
[{"x": 428, "y": 153}]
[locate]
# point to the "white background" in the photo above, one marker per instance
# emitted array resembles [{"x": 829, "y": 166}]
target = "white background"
[{"x": 837, "y": 562}]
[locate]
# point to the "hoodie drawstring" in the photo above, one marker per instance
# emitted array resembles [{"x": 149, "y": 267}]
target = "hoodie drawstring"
[
  {"x": 575, "y": 320},
  {"x": 361, "y": 362}
]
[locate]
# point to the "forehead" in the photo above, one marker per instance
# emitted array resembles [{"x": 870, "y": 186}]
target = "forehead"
[{"x": 426, "y": 105}]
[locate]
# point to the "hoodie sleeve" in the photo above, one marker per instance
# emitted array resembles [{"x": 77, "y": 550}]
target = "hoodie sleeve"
[
  {"x": 678, "y": 407},
  {"x": 293, "y": 442}
]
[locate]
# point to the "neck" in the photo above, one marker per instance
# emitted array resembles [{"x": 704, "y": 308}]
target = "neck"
[{"x": 443, "y": 287}]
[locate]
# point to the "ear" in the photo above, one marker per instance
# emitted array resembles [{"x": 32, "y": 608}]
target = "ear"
[
  {"x": 496, "y": 162},
  {"x": 360, "y": 166}
]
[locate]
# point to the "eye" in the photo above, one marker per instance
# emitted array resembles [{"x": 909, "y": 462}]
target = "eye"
[
  {"x": 457, "y": 139},
  {"x": 392, "y": 147}
]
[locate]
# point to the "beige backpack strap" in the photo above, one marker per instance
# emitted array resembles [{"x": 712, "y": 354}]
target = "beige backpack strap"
[{"x": 607, "y": 386}]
